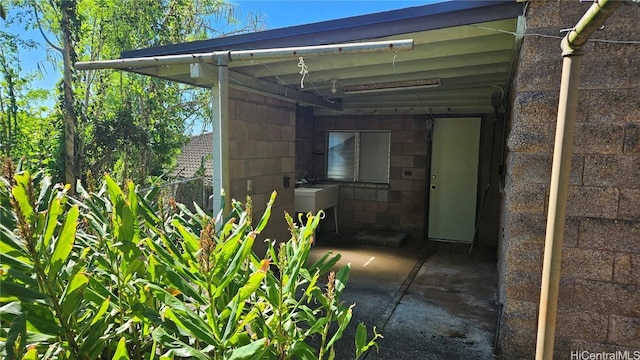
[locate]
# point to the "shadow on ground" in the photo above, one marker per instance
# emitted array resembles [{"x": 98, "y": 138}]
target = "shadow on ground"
[{"x": 430, "y": 300}]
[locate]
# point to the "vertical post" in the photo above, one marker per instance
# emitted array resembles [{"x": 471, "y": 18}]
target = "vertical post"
[
  {"x": 221, "y": 176},
  {"x": 558, "y": 194},
  {"x": 567, "y": 108},
  {"x": 216, "y": 156},
  {"x": 223, "y": 111}
]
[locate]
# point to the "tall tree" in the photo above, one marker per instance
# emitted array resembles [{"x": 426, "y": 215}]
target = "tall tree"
[
  {"x": 8, "y": 89},
  {"x": 60, "y": 17},
  {"x": 69, "y": 27},
  {"x": 146, "y": 115},
  {"x": 123, "y": 123},
  {"x": 23, "y": 114}
]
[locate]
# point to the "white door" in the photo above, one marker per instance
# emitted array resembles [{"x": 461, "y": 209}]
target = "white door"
[{"x": 454, "y": 179}]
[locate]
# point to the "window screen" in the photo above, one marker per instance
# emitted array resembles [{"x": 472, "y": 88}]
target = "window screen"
[{"x": 358, "y": 156}]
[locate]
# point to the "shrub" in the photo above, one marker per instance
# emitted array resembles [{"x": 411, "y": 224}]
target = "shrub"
[{"x": 115, "y": 274}]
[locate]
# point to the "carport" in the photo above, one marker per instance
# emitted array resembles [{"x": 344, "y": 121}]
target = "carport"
[
  {"x": 462, "y": 67},
  {"x": 460, "y": 64},
  {"x": 411, "y": 73}
]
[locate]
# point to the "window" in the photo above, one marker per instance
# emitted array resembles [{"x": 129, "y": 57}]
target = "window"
[{"x": 358, "y": 156}]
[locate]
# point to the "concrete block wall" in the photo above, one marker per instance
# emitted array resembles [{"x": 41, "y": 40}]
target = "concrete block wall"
[
  {"x": 599, "y": 307},
  {"x": 398, "y": 206},
  {"x": 304, "y": 142},
  {"x": 262, "y": 148},
  {"x": 489, "y": 179}
]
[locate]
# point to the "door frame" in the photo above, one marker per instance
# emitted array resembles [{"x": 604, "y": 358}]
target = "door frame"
[{"x": 429, "y": 137}]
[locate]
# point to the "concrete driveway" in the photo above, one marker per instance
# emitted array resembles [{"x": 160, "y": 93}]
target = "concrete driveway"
[{"x": 429, "y": 300}]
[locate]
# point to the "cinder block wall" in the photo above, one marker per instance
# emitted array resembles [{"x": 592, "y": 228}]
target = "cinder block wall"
[
  {"x": 398, "y": 206},
  {"x": 489, "y": 179},
  {"x": 599, "y": 307},
  {"x": 262, "y": 148},
  {"x": 304, "y": 142}
]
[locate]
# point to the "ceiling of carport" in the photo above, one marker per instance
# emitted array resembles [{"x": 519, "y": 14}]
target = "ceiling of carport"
[{"x": 471, "y": 61}]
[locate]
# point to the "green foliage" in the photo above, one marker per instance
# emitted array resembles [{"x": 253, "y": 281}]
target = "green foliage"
[
  {"x": 26, "y": 127},
  {"x": 134, "y": 122},
  {"x": 114, "y": 274},
  {"x": 124, "y": 121}
]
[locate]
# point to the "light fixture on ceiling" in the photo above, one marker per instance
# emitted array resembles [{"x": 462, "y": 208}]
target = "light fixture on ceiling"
[{"x": 392, "y": 86}]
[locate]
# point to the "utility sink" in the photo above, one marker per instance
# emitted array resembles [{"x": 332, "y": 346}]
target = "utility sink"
[
  {"x": 316, "y": 197},
  {"x": 313, "y": 198}
]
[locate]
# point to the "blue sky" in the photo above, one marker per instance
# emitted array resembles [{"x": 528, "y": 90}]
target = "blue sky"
[{"x": 297, "y": 12}]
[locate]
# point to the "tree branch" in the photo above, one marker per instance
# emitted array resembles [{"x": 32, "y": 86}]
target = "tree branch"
[{"x": 46, "y": 39}]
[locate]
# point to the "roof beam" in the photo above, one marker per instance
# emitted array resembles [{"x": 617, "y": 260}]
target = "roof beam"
[
  {"x": 433, "y": 94},
  {"x": 203, "y": 73},
  {"x": 248, "y": 83},
  {"x": 355, "y": 75},
  {"x": 206, "y": 75},
  {"x": 169, "y": 70},
  {"x": 455, "y": 86},
  {"x": 436, "y": 52},
  {"x": 436, "y": 74},
  {"x": 362, "y": 103},
  {"x": 417, "y": 109}
]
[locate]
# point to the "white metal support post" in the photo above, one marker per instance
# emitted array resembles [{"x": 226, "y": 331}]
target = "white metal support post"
[{"x": 220, "y": 156}]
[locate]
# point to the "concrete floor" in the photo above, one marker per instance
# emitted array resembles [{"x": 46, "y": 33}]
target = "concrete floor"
[{"x": 429, "y": 300}]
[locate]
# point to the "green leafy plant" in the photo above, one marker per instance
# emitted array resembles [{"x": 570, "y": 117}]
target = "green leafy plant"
[
  {"x": 116, "y": 274},
  {"x": 43, "y": 271}
]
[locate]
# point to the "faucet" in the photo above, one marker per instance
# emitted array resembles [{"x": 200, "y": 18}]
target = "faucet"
[{"x": 303, "y": 180}]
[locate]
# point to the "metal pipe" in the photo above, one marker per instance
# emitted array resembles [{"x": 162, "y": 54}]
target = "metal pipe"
[
  {"x": 559, "y": 187},
  {"x": 242, "y": 55},
  {"x": 557, "y": 205},
  {"x": 333, "y": 49},
  {"x": 591, "y": 21}
]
